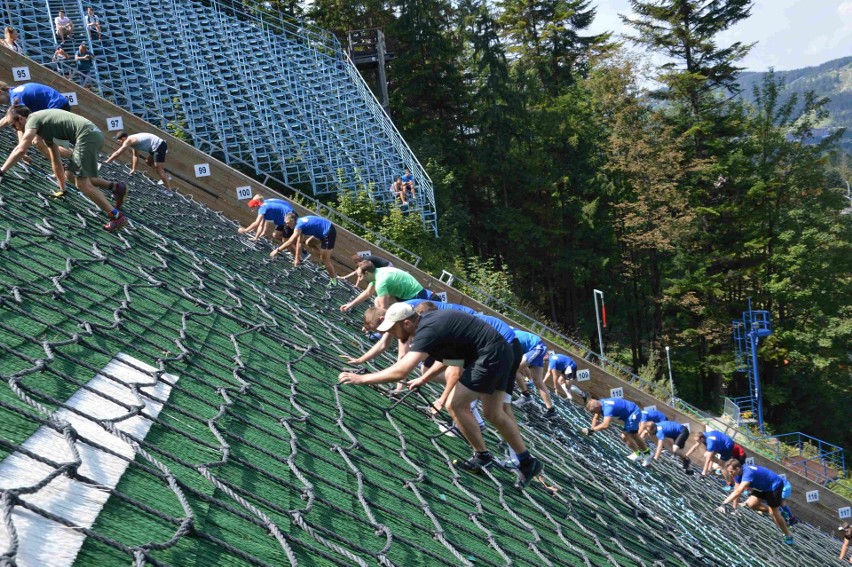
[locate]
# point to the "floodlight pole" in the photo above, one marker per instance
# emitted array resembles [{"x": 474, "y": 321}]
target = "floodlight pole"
[
  {"x": 671, "y": 380},
  {"x": 595, "y": 294}
]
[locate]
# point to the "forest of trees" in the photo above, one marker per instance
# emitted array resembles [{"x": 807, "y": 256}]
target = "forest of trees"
[{"x": 557, "y": 170}]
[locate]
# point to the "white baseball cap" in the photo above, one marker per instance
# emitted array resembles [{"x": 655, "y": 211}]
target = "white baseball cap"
[{"x": 396, "y": 313}]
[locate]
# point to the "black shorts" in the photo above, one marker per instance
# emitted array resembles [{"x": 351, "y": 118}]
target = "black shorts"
[
  {"x": 773, "y": 499},
  {"x": 160, "y": 153},
  {"x": 327, "y": 242},
  {"x": 682, "y": 438},
  {"x": 491, "y": 374},
  {"x": 518, "y": 353}
]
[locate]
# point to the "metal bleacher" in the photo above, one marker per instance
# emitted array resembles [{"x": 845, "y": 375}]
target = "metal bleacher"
[{"x": 272, "y": 98}]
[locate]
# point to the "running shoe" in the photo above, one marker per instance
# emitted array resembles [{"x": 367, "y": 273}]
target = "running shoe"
[
  {"x": 117, "y": 223},
  {"x": 634, "y": 456},
  {"x": 550, "y": 413},
  {"x": 528, "y": 471},
  {"x": 119, "y": 194},
  {"x": 646, "y": 459},
  {"x": 450, "y": 430},
  {"x": 475, "y": 465},
  {"x": 788, "y": 540},
  {"x": 332, "y": 282},
  {"x": 686, "y": 462},
  {"x": 522, "y": 401},
  {"x": 57, "y": 194}
]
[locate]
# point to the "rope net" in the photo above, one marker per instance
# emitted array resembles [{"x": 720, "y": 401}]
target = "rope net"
[{"x": 254, "y": 455}]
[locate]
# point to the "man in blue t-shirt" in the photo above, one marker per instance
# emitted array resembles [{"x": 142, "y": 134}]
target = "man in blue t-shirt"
[
  {"x": 36, "y": 97},
  {"x": 650, "y": 416},
  {"x": 408, "y": 183},
  {"x": 561, "y": 367},
  {"x": 714, "y": 442},
  {"x": 765, "y": 487},
  {"x": 321, "y": 229},
  {"x": 269, "y": 211},
  {"x": 535, "y": 352},
  {"x": 671, "y": 434},
  {"x": 626, "y": 411}
]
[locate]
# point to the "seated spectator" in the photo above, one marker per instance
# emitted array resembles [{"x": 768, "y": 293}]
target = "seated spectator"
[
  {"x": 85, "y": 64},
  {"x": 64, "y": 26},
  {"x": 61, "y": 62},
  {"x": 397, "y": 190},
  {"x": 10, "y": 40},
  {"x": 93, "y": 25},
  {"x": 408, "y": 183}
]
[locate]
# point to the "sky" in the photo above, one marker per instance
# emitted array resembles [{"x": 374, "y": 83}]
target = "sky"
[{"x": 791, "y": 34}]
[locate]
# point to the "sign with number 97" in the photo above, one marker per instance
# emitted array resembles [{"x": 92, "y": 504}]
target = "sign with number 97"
[
  {"x": 115, "y": 123},
  {"x": 202, "y": 170},
  {"x": 21, "y": 73}
]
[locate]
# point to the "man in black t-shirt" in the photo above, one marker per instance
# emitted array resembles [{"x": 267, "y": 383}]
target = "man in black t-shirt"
[{"x": 477, "y": 358}]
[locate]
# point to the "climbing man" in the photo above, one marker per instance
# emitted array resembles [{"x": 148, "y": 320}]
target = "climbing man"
[
  {"x": 715, "y": 442},
  {"x": 377, "y": 261},
  {"x": 532, "y": 363},
  {"x": 765, "y": 492},
  {"x": 626, "y": 411},
  {"x": 475, "y": 355},
  {"x": 151, "y": 144},
  {"x": 87, "y": 140},
  {"x": 35, "y": 97},
  {"x": 389, "y": 284},
  {"x": 318, "y": 227},
  {"x": 561, "y": 367},
  {"x": 671, "y": 434}
]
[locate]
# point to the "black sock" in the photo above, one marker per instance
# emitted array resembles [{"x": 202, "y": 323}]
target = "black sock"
[
  {"x": 483, "y": 455},
  {"x": 524, "y": 457}
]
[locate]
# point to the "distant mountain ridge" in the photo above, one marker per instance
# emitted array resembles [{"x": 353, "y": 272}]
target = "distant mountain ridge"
[{"x": 832, "y": 79}]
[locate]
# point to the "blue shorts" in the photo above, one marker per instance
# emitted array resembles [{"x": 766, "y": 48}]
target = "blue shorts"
[
  {"x": 632, "y": 423},
  {"x": 535, "y": 357},
  {"x": 424, "y": 294}
]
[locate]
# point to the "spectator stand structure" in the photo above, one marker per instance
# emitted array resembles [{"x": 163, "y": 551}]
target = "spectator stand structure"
[
  {"x": 276, "y": 99},
  {"x": 236, "y": 447}
]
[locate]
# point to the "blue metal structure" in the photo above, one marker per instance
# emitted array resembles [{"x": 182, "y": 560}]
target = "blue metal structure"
[
  {"x": 273, "y": 98},
  {"x": 747, "y": 333}
]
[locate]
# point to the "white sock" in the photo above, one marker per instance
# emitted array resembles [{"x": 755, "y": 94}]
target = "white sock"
[{"x": 478, "y": 417}]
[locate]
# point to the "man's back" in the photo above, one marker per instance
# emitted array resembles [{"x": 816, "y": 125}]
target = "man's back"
[
  {"x": 453, "y": 336},
  {"x": 59, "y": 124},
  {"x": 37, "y": 97}
]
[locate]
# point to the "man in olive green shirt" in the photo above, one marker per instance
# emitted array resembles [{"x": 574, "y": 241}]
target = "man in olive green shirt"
[
  {"x": 390, "y": 285},
  {"x": 87, "y": 139}
]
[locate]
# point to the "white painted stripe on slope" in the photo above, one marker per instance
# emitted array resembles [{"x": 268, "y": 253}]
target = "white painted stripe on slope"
[{"x": 44, "y": 543}]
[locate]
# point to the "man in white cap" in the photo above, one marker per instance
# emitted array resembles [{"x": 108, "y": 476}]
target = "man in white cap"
[{"x": 474, "y": 353}]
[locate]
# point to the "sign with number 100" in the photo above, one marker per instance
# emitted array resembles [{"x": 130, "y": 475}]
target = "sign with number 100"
[{"x": 244, "y": 192}]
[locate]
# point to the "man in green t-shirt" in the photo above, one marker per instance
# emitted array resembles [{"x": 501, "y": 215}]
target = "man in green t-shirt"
[
  {"x": 54, "y": 124},
  {"x": 389, "y": 284}
]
